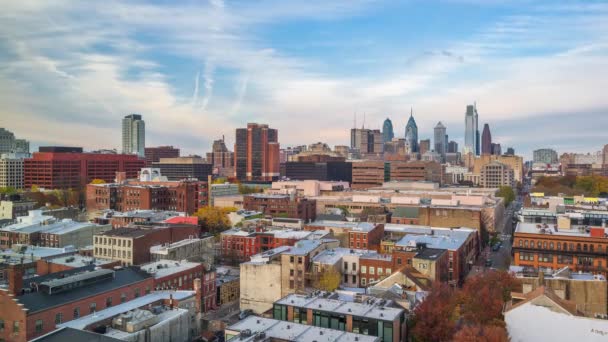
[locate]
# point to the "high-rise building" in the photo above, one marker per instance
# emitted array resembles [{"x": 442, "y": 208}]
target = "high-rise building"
[
  {"x": 179, "y": 168},
  {"x": 367, "y": 140},
  {"x": 425, "y": 146},
  {"x": 256, "y": 153},
  {"x": 496, "y": 174},
  {"x": 11, "y": 170},
  {"x": 510, "y": 151},
  {"x": 439, "y": 139},
  {"x": 486, "y": 140},
  {"x": 9, "y": 144},
  {"x": 387, "y": 130},
  {"x": 67, "y": 167},
  {"x": 153, "y": 154},
  {"x": 133, "y": 135},
  {"x": 411, "y": 134},
  {"x": 496, "y": 149},
  {"x": 471, "y": 130},
  {"x": 220, "y": 157},
  {"x": 452, "y": 147},
  {"x": 545, "y": 156}
]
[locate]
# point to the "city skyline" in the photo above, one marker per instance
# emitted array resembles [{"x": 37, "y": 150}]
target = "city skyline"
[{"x": 209, "y": 68}]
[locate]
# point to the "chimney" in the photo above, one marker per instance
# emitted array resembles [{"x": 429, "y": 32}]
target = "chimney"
[
  {"x": 199, "y": 295},
  {"x": 15, "y": 279}
]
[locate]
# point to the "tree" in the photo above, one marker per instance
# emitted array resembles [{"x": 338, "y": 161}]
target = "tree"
[
  {"x": 220, "y": 180},
  {"x": 483, "y": 297},
  {"x": 435, "y": 318},
  {"x": 212, "y": 219},
  {"x": 507, "y": 193},
  {"x": 35, "y": 188},
  {"x": 246, "y": 190},
  {"x": 329, "y": 280},
  {"x": 480, "y": 333},
  {"x": 9, "y": 190},
  {"x": 98, "y": 181}
]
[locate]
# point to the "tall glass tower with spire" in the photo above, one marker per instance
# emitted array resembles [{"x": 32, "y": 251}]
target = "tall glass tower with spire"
[
  {"x": 387, "y": 130},
  {"x": 471, "y": 130},
  {"x": 411, "y": 133}
]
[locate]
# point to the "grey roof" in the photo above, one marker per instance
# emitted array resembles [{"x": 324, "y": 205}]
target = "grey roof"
[
  {"x": 409, "y": 212},
  {"x": 430, "y": 253},
  {"x": 39, "y": 301},
  {"x": 58, "y": 275},
  {"x": 71, "y": 334}
]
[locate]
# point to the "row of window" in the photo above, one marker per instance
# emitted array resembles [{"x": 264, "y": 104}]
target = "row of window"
[
  {"x": 113, "y": 241},
  {"x": 561, "y": 259},
  {"x": 565, "y": 246},
  {"x": 372, "y": 270}
]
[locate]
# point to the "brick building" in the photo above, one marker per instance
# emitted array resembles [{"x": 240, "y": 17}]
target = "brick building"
[
  {"x": 416, "y": 171},
  {"x": 368, "y": 174},
  {"x": 365, "y": 235},
  {"x": 559, "y": 245},
  {"x": 256, "y": 153},
  {"x": 374, "y": 267},
  {"x": 183, "y": 196},
  {"x": 282, "y": 206},
  {"x": 131, "y": 245},
  {"x": 63, "y": 168},
  {"x": 241, "y": 245},
  {"x": 62, "y": 297},
  {"x": 153, "y": 154}
]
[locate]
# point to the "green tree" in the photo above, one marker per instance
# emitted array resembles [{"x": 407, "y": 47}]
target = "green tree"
[
  {"x": 9, "y": 190},
  {"x": 220, "y": 180},
  {"x": 507, "y": 193}
]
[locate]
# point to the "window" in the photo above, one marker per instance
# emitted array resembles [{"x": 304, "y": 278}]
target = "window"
[
  {"x": 591, "y": 248},
  {"x": 372, "y": 270},
  {"x": 1, "y": 325},
  {"x": 76, "y": 313},
  {"x": 564, "y": 259},
  {"x": 526, "y": 243},
  {"x": 354, "y": 266},
  {"x": 92, "y": 307},
  {"x": 354, "y": 278},
  {"x": 559, "y": 245},
  {"x": 538, "y": 244},
  {"x": 346, "y": 278},
  {"x": 578, "y": 247},
  {"x": 108, "y": 302},
  {"x": 291, "y": 284},
  {"x": 521, "y": 243},
  {"x": 544, "y": 257},
  {"x": 585, "y": 247},
  {"x": 363, "y": 281},
  {"x": 379, "y": 271},
  {"x": 363, "y": 269},
  {"x": 137, "y": 293},
  {"x": 299, "y": 260},
  {"x": 279, "y": 312},
  {"x": 123, "y": 297},
  {"x": 38, "y": 326},
  {"x": 551, "y": 245},
  {"x": 388, "y": 271},
  {"x": 545, "y": 245},
  {"x": 346, "y": 266},
  {"x": 291, "y": 273},
  {"x": 398, "y": 261},
  {"x": 291, "y": 259},
  {"x": 15, "y": 327}
]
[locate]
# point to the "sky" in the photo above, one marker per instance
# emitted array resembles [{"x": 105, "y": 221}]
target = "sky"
[{"x": 197, "y": 70}]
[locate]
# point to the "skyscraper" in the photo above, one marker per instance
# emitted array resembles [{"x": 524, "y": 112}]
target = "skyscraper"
[
  {"x": 367, "y": 140},
  {"x": 387, "y": 130},
  {"x": 452, "y": 147},
  {"x": 486, "y": 140},
  {"x": 425, "y": 146},
  {"x": 471, "y": 130},
  {"x": 545, "y": 156},
  {"x": 256, "y": 153},
  {"x": 411, "y": 133},
  {"x": 439, "y": 140},
  {"x": 133, "y": 135}
]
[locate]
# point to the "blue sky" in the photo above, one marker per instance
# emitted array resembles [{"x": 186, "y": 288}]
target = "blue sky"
[{"x": 197, "y": 70}]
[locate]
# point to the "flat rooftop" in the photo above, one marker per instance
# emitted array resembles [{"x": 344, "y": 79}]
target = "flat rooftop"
[
  {"x": 37, "y": 252},
  {"x": 430, "y": 254},
  {"x": 289, "y": 331},
  {"x": 371, "y": 309},
  {"x": 441, "y": 238},
  {"x": 163, "y": 268},
  {"x": 77, "y": 260},
  {"x": 181, "y": 243},
  {"x": 551, "y": 229},
  {"x": 354, "y": 226},
  {"x": 334, "y": 255}
]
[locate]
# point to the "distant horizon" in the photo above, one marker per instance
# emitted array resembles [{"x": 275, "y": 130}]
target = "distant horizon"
[{"x": 196, "y": 71}]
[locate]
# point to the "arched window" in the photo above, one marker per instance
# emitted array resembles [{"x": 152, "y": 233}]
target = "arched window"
[
  {"x": 545, "y": 245},
  {"x": 591, "y": 248},
  {"x": 538, "y": 244},
  {"x": 521, "y": 243},
  {"x": 578, "y": 247},
  {"x": 526, "y": 243},
  {"x": 559, "y": 245},
  {"x": 551, "y": 245},
  {"x": 585, "y": 247}
]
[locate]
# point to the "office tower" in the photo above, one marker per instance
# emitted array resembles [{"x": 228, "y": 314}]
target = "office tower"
[
  {"x": 452, "y": 147},
  {"x": 11, "y": 169},
  {"x": 411, "y": 133},
  {"x": 179, "y": 168},
  {"x": 439, "y": 139},
  {"x": 133, "y": 135},
  {"x": 387, "y": 130},
  {"x": 9, "y": 144},
  {"x": 256, "y": 153},
  {"x": 220, "y": 156},
  {"x": 425, "y": 146},
  {"x": 471, "y": 130},
  {"x": 510, "y": 151},
  {"x": 496, "y": 149},
  {"x": 486, "y": 140},
  {"x": 367, "y": 140},
  {"x": 153, "y": 154},
  {"x": 544, "y": 156}
]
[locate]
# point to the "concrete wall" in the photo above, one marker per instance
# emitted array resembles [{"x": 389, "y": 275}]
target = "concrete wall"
[{"x": 260, "y": 286}]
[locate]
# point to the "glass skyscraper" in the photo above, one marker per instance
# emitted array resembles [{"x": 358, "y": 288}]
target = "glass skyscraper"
[
  {"x": 471, "y": 130},
  {"x": 134, "y": 135},
  {"x": 387, "y": 130},
  {"x": 411, "y": 134}
]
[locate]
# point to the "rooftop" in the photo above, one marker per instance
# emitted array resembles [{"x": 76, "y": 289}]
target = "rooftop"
[
  {"x": 164, "y": 248},
  {"x": 37, "y": 252},
  {"x": 430, "y": 253},
  {"x": 303, "y": 247},
  {"x": 289, "y": 331},
  {"x": 355, "y": 226},
  {"x": 441, "y": 238},
  {"x": 77, "y": 260},
  {"x": 71, "y": 334},
  {"x": 163, "y": 268},
  {"x": 551, "y": 229},
  {"x": 334, "y": 255},
  {"x": 127, "y": 232},
  {"x": 370, "y": 308},
  {"x": 152, "y": 215},
  {"x": 135, "y": 303},
  {"x": 39, "y": 301}
]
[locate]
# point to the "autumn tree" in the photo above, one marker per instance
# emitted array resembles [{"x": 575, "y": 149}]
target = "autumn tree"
[
  {"x": 481, "y": 333},
  {"x": 329, "y": 280},
  {"x": 213, "y": 219},
  {"x": 484, "y": 296},
  {"x": 436, "y": 317},
  {"x": 98, "y": 181}
]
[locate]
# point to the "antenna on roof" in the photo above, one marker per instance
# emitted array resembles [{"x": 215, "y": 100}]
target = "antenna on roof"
[
  {"x": 363, "y": 127},
  {"x": 355, "y": 126},
  {"x": 411, "y": 112}
]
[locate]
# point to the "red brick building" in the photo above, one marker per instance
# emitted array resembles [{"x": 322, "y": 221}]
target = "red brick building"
[
  {"x": 153, "y": 154},
  {"x": 131, "y": 245},
  {"x": 374, "y": 267},
  {"x": 183, "y": 196},
  {"x": 282, "y": 205},
  {"x": 63, "y": 168},
  {"x": 64, "y": 296},
  {"x": 365, "y": 235},
  {"x": 241, "y": 245},
  {"x": 256, "y": 153}
]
